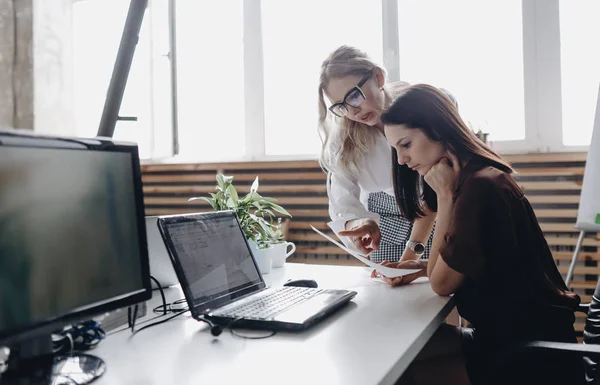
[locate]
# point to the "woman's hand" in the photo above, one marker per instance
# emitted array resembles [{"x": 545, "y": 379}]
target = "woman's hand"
[
  {"x": 364, "y": 234},
  {"x": 405, "y": 279},
  {"x": 443, "y": 176}
]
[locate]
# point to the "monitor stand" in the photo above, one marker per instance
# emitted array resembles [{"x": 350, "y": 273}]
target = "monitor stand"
[{"x": 32, "y": 362}]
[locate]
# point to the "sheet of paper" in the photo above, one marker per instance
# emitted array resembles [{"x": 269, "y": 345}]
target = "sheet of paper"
[{"x": 384, "y": 270}]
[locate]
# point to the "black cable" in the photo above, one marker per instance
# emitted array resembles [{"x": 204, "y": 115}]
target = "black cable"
[
  {"x": 215, "y": 330},
  {"x": 249, "y": 337},
  {"x": 159, "y": 322},
  {"x": 168, "y": 308},
  {"x": 162, "y": 294}
]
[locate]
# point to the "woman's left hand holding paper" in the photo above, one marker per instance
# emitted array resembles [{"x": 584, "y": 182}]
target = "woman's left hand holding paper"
[{"x": 405, "y": 279}]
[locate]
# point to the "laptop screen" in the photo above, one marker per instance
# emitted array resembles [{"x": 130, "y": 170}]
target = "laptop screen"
[{"x": 212, "y": 254}]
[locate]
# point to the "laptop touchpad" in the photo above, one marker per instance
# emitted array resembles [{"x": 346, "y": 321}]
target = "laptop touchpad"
[{"x": 314, "y": 306}]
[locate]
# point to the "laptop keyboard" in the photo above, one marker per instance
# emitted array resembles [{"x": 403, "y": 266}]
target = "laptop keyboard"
[{"x": 269, "y": 303}]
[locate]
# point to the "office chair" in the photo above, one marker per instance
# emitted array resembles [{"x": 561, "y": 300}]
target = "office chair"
[{"x": 589, "y": 350}]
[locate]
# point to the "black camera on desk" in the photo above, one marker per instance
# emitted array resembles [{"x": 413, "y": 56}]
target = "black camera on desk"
[{"x": 72, "y": 245}]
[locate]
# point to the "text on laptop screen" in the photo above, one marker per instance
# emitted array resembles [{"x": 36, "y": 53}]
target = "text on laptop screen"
[
  {"x": 214, "y": 256},
  {"x": 68, "y": 232}
]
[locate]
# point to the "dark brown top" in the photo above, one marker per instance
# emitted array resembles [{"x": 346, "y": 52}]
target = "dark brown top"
[{"x": 512, "y": 285}]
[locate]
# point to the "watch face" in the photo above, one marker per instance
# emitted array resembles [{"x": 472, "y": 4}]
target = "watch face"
[{"x": 419, "y": 248}]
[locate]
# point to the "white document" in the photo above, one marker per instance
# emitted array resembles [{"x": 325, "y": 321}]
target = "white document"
[{"x": 389, "y": 272}]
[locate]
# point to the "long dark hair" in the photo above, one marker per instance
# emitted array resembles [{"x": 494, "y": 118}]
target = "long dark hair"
[{"x": 424, "y": 107}]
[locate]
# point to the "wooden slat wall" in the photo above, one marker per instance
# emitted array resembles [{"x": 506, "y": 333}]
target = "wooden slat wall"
[
  {"x": 299, "y": 186},
  {"x": 551, "y": 181}
]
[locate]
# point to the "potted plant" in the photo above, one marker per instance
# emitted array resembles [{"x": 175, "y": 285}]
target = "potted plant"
[
  {"x": 256, "y": 213},
  {"x": 483, "y": 136}
]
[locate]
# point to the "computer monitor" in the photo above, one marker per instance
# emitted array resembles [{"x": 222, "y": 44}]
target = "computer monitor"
[{"x": 72, "y": 243}]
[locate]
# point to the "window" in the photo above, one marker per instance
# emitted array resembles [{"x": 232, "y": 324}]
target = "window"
[
  {"x": 210, "y": 79},
  {"x": 473, "y": 49},
  {"x": 94, "y": 52},
  {"x": 162, "y": 118},
  {"x": 297, "y": 37},
  {"x": 235, "y": 105},
  {"x": 580, "y": 68}
]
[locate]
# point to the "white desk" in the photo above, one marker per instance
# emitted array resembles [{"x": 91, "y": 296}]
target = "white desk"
[{"x": 370, "y": 341}]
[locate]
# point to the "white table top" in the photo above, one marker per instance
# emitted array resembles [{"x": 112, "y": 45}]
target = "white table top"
[{"x": 370, "y": 341}]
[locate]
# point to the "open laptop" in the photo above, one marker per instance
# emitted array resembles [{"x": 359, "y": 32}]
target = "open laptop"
[
  {"x": 221, "y": 281},
  {"x": 161, "y": 267}
]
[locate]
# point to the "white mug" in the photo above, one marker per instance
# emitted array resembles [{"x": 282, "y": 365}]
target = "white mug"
[{"x": 281, "y": 253}]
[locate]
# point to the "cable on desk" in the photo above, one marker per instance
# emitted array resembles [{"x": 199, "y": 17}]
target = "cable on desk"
[
  {"x": 162, "y": 294},
  {"x": 215, "y": 330},
  {"x": 131, "y": 318},
  {"x": 83, "y": 336},
  {"x": 180, "y": 312},
  {"x": 249, "y": 337},
  {"x": 168, "y": 307}
]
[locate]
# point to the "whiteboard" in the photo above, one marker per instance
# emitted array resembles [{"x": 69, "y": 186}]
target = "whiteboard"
[{"x": 589, "y": 203}]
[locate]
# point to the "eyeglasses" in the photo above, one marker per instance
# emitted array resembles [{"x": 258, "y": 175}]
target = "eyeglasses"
[{"x": 353, "y": 98}]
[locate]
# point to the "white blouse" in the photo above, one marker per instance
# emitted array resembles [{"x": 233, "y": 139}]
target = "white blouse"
[{"x": 348, "y": 195}]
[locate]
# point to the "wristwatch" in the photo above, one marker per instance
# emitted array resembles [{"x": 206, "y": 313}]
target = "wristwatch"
[{"x": 417, "y": 247}]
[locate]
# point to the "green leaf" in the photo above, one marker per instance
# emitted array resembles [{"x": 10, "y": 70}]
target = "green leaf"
[
  {"x": 264, "y": 225},
  {"x": 280, "y": 209},
  {"x": 233, "y": 194},
  {"x": 264, "y": 213},
  {"x": 209, "y": 200},
  {"x": 248, "y": 198},
  {"x": 231, "y": 204},
  {"x": 265, "y": 199},
  {"x": 254, "y": 187},
  {"x": 271, "y": 213},
  {"x": 223, "y": 182},
  {"x": 220, "y": 181},
  {"x": 219, "y": 198}
]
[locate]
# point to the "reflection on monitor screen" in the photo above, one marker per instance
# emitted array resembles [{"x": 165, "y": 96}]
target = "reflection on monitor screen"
[{"x": 68, "y": 232}]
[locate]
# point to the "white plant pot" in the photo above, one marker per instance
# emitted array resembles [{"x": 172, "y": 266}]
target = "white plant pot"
[{"x": 263, "y": 257}]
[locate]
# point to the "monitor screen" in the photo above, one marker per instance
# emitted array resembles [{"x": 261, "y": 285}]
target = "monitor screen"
[
  {"x": 212, "y": 253},
  {"x": 69, "y": 236}
]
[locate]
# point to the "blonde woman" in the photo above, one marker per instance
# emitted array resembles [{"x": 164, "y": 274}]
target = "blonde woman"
[{"x": 358, "y": 160}]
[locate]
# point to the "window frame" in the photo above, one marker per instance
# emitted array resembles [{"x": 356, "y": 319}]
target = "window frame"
[{"x": 542, "y": 80}]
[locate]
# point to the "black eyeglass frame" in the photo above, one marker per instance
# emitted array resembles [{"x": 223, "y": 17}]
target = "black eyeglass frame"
[{"x": 344, "y": 103}]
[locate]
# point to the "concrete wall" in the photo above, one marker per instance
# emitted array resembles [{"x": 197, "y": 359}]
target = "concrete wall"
[
  {"x": 16, "y": 64},
  {"x": 53, "y": 67},
  {"x": 7, "y": 49},
  {"x": 36, "y": 65}
]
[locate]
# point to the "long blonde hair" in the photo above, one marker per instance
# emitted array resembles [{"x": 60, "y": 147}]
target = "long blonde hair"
[{"x": 343, "y": 148}]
